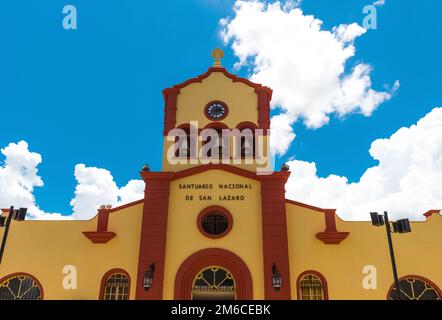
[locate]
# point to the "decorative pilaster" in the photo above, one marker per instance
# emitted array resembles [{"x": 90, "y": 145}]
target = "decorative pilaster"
[
  {"x": 264, "y": 98},
  {"x": 274, "y": 229},
  {"x": 153, "y": 233},
  {"x": 170, "y": 109}
]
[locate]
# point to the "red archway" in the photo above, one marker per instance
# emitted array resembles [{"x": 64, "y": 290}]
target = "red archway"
[{"x": 204, "y": 258}]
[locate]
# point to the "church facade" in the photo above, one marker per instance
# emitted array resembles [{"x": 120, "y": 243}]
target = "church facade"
[{"x": 215, "y": 224}]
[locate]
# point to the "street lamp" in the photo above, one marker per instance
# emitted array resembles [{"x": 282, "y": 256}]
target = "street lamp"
[
  {"x": 148, "y": 277},
  {"x": 276, "y": 278},
  {"x": 400, "y": 226},
  {"x": 5, "y": 222}
]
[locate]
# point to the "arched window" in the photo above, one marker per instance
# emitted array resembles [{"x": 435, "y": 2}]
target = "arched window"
[
  {"x": 183, "y": 142},
  {"x": 312, "y": 286},
  {"x": 220, "y": 146},
  {"x": 247, "y": 139},
  {"x": 415, "y": 288},
  {"x": 214, "y": 283},
  {"x": 248, "y": 144},
  {"x": 115, "y": 285},
  {"x": 20, "y": 287}
]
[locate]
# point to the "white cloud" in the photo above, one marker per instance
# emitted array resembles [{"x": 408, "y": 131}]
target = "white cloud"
[
  {"x": 19, "y": 178},
  {"x": 406, "y": 182},
  {"x": 96, "y": 187},
  {"x": 306, "y": 65}
]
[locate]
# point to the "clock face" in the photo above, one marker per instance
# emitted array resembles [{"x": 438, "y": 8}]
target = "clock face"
[{"x": 216, "y": 111}]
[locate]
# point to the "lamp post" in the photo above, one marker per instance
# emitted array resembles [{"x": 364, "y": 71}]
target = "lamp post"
[
  {"x": 276, "y": 278},
  {"x": 18, "y": 215},
  {"x": 148, "y": 277},
  {"x": 400, "y": 226}
]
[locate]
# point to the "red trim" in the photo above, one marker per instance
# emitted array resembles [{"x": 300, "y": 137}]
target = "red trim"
[
  {"x": 103, "y": 220},
  {"x": 216, "y": 126},
  {"x": 233, "y": 77},
  {"x": 131, "y": 204},
  {"x": 220, "y": 257},
  {"x": 246, "y": 125},
  {"x": 99, "y": 237},
  {"x": 170, "y": 101},
  {"x": 208, "y": 167},
  {"x": 171, "y": 94},
  {"x": 430, "y": 213},
  {"x": 331, "y": 234},
  {"x": 24, "y": 274},
  {"x": 206, "y": 110},
  {"x": 274, "y": 233},
  {"x": 212, "y": 209},
  {"x": 431, "y": 283},
  {"x": 317, "y": 274},
  {"x": 307, "y": 206},
  {"x": 154, "y": 232},
  {"x": 106, "y": 277},
  {"x": 264, "y": 98},
  {"x": 334, "y": 238}
]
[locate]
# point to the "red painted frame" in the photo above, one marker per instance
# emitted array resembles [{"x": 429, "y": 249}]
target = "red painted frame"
[
  {"x": 206, "y": 110},
  {"x": 314, "y": 273},
  {"x": 216, "y": 209},
  {"x": 24, "y": 274},
  {"x": 106, "y": 277},
  {"x": 220, "y": 257}
]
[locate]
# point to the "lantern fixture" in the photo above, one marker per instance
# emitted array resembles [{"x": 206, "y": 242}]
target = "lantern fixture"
[
  {"x": 276, "y": 278},
  {"x": 148, "y": 277},
  {"x": 5, "y": 222}
]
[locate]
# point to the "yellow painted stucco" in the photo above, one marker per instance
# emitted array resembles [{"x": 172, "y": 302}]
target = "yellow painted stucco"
[
  {"x": 240, "y": 98},
  {"x": 417, "y": 253},
  {"x": 44, "y": 248},
  {"x": 184, "y": 237},
  {"x": 242, "y": 102}
]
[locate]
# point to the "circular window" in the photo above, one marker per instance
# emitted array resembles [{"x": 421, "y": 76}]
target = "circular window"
[
  {"x": 216, "y": 110},
  {"x": 215, "y": 222}
]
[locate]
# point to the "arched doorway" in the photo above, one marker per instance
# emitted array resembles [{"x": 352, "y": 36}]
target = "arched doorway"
[
  {"x": 218, "y": 272},
  {"x": 214, "y": 283}
]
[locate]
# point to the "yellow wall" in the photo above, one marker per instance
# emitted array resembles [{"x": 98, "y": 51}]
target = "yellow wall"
[
  {"x": 239, "y": 97},
  {"x": 241, "y": 100},
  {"x": 184, "y": 237},
  {"x": 43, "y": 248},
  {"x": 417, "y": 253}
]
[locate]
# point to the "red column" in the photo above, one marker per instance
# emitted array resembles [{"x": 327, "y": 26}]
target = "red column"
[
  {"x": 274, "y": 229},
  {"x": 264, "y": 98},
  {"x": 153, "y": 232},
  {"x": 170, "y": 109}
]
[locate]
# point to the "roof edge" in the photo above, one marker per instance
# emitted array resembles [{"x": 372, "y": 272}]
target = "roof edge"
[{"x": 229, "y": 75}]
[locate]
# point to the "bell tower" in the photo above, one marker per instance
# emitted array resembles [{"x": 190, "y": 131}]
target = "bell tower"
[{"x": 217, "y": 118}]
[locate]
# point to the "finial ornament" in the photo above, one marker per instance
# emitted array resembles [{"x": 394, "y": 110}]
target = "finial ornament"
[{"x": 217, "y": 54}]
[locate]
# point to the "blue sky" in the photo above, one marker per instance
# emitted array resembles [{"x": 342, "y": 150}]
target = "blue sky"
[{"x": 93, "y": 95}]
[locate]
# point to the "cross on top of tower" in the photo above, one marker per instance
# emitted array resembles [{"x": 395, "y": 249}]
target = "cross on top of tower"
[{"x": 217, "y": 54}]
